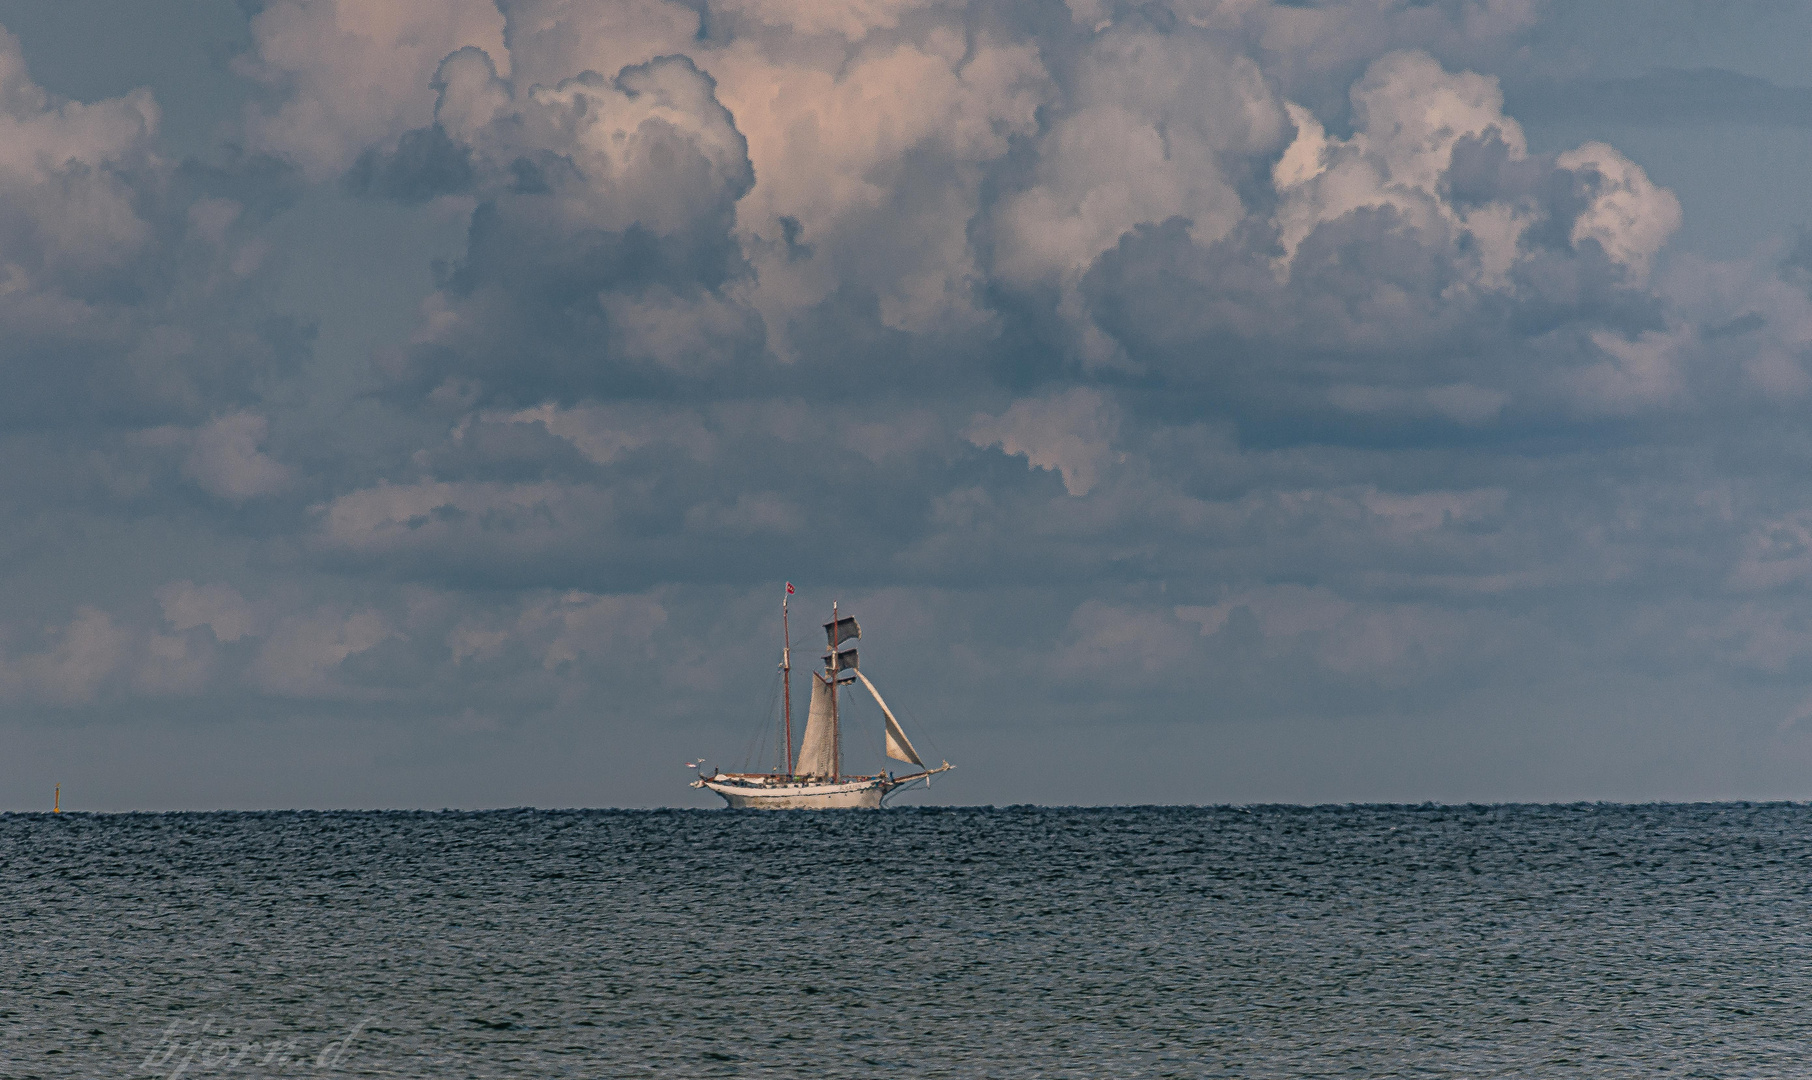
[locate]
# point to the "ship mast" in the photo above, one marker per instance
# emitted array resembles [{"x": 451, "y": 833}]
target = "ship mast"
[
  {"x": 836, "y": 728},
  {"x": 786, "y": 675}
]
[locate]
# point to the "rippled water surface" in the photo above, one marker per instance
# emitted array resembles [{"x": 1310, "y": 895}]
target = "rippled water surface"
[{"x": 1594, "y": 941}]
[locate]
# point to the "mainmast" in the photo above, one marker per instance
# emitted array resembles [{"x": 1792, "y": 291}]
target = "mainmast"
[
  {"x": 786, "y": 673},
  {"x": 824, "y": 731},
  {"x": 836, "y": 728}
]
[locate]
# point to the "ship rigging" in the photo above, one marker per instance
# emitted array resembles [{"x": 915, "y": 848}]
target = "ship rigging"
[{"x": 814, "y": 779}]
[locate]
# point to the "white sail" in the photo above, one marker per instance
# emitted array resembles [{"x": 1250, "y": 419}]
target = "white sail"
[
  {"x": 898, "y": 746},
  {"x": 818, "y": 750}
]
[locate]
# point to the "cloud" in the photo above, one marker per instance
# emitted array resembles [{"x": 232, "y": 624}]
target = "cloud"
[
  {"x": 1426, "y": 266},
  {"x": 1409, "y": 115},
  {"x": 559, "y": 631},
  {"x": 1119, "y": 643},
  {"x": 1629, "y": 216},
  {"x": 869, "y": 165},
  {"x": 222, "y": 457},
  {"x": 1416, "y": 126},
  {"x": 827, "y": 138},
  {"x": 78, "y": 661},
  {"x": 851, "y": 21},
  {"x": 505, "y": 520},
  {"x": 220, "y": 608},
  {"x": 1460, "y": 402},
  {"x": 830, "y": 192},
  {"x": 67, "y": 215},
  {"x": 603, "y": 238},
  {"x": 1776, "y": 553},
  {"x": 1408, "y": 515},
  {"x": 1633, "y": 374},
  {"x": 1759, "y": 636},
  {"x": 1153, "y": 119},
  {"x": 1071, "y": 433},
  {"x": 303, "y": 654},
  {"x": 213, "y": 641},
  {"x": 355, "y": 73},
  {"x": 604, "y": 433},
  {"x": 1389, "y": 644},
  {"x": 1744, "y": 327},
  {"x": 96, "y": 658},
  {"x": 128, "y": 282}
]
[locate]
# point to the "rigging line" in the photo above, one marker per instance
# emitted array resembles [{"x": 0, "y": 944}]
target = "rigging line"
[
  {"x": 743, "y": 762},
  {"x": 748, "y": 750},
  {"x": 770, "y": 715},
  {"x": 930, "y": 742},
  {"x": 764, "y": 734},
  {"x": 767, "y": 719},
  {"x": 873, "y": 740},
  {"x": 876, "y": 732},
  {"x": 776, "y": 728},
  {"x": 773, "y": 744},
  {"x": 876, "y": 743},
  {"x": 758, "y": 742}
]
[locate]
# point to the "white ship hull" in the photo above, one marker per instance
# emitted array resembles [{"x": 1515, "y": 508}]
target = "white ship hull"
[{"x": 765, "y": 793}]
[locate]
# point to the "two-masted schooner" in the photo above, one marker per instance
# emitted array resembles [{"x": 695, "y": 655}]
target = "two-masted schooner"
[{"x": 815, "y": 780}]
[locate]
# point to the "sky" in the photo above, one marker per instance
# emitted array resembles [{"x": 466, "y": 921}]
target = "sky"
[{"x": 424, "y": 403}]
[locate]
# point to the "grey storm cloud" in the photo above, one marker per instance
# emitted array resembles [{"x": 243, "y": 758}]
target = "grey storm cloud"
[{"x": 1160, "y": 379}]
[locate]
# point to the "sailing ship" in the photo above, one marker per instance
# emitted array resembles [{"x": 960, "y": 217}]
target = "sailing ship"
[{"x": 815, "y": 780}]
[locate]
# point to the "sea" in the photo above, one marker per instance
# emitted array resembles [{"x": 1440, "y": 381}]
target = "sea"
[{"x": 1266, "y": 941}]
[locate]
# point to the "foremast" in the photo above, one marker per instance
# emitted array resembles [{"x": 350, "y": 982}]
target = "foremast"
[{"x": 786, "y": 674}]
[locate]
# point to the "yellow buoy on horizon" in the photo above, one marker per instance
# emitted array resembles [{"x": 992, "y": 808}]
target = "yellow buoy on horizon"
[{"x": 56, "y": 806}]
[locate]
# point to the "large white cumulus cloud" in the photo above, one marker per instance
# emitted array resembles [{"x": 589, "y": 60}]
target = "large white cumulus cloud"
[
  {"x": 605, "y": 230},
  {"x": 876, "y": 164},
  {"x": 744, "y": 200},
  {"x": 1155, "y": 126},
  {"x": 921, "y": 164},
  {"x": 651, "y": 147}
]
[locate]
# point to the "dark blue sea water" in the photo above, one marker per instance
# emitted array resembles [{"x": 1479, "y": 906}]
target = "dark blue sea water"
[{"x": 1519, "y": 941}]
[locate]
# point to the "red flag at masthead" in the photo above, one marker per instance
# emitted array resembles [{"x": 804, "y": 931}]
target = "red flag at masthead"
[{"x": 789, "y": 588}]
